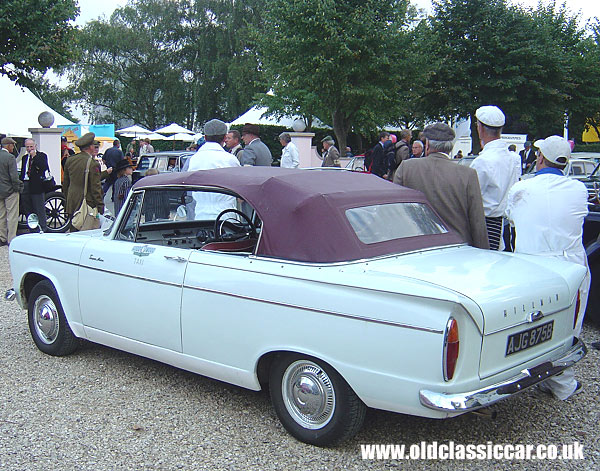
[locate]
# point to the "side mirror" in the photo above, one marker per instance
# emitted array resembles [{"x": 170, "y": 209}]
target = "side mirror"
[{"x": 33, "y": 222}]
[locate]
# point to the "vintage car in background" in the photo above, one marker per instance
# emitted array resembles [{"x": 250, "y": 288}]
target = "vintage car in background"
[
  {"x": 578, "y": 168},
  {"x": 466, "y": 160},
  {"x": 166, "y": 161},
  {"x": 336, "y": 290},
  {"x": 356, "y": 164}
]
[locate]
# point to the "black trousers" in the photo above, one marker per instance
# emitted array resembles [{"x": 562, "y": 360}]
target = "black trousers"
[{"x": 33, "y": 203}]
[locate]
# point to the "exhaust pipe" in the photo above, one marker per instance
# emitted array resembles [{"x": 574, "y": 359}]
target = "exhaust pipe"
[{"x": 486, "y": 413}]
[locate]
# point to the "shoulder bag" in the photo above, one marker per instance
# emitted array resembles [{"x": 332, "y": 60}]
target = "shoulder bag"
[{"x": 86, "y": 217}]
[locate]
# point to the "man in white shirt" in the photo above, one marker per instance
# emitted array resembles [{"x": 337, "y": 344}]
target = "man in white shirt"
[
  {"x": 495, "y": 169},
  {"x": 548, "y": 212},
  {"x": 290, "y": 155},
  {"x": 212, "y": 155}
]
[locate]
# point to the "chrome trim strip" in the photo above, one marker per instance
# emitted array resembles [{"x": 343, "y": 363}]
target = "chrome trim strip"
[
  {"x": 262, "y": 272},
  {"x": 525, "y": 322},
  {"x": 472, "y": 400},
  {"x": 352, "y": 262},
  {"x": 135, "y": 277},
  {"x": 166, "y": 283},
  {"x": 46, "y": 258},
  {"x": 319, "y": 311},
  {"x": 331, "y": 313}
]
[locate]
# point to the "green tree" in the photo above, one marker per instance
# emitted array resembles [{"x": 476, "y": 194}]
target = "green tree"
[
  {"x": 35, "y": 35},
  {"x": 489, "y": 52},
  {"x": 339, "y": 60},
  {"x": 158, "y": 61},
  {"x": 584, "y": 103}
]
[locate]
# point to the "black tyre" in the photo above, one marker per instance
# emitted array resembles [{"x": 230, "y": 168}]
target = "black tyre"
[
  {"x": 313, "y": 402},
  {"x": 57, "y": 218},
  {"x": 47, "y": 322},
  {"x": 592, "y": 311}
]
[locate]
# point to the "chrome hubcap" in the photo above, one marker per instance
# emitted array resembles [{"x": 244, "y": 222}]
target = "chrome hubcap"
[
  {"x": 308, "y": 394},
  {"x": 46, "y": 320}
]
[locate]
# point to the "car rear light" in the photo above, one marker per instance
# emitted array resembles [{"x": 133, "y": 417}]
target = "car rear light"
[
  {"x": 451, "y": 343},
  {"x": 577, "y": 307}
]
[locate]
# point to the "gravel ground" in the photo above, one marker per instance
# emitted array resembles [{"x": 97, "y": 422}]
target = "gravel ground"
[{"x": 101, "y": 409}]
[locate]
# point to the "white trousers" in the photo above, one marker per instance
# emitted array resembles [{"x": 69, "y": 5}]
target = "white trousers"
[{"x": 564, "y": 384}]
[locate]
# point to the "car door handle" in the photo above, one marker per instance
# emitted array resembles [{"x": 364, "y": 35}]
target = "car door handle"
[
  {"x": 97, "y": 259},
  {"x": 177, "y": 259}
]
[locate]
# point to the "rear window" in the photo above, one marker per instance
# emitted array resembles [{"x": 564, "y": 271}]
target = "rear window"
[{"x": 383, "y": 222}]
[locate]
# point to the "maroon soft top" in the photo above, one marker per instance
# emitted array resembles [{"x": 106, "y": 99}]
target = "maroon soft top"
[{"x": 303, "y": 211}]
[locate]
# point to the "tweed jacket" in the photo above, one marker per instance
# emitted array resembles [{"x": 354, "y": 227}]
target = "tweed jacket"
[
  {"x": 331, "y": 157},
  {"x": 9, "y": 177},
  {"x": 453, "y": 191},
  {"x": 73, "y": 183},
  {"x": 256, "y": 153}
]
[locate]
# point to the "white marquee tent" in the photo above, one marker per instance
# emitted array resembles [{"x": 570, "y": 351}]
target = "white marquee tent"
[
  {"x": 255, "y": 115},
  {"x": 20, "y": 110}
]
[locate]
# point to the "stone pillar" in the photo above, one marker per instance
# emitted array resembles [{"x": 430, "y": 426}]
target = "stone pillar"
[
  {"x": 303, "y": 140},
  {"x": 48, "y": 142}
]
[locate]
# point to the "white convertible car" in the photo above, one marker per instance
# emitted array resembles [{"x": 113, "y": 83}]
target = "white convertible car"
[{"x": 336, "y": 290}]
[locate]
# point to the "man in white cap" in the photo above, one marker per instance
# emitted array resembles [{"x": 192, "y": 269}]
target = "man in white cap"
[
  {"x": 212, "y": 155},
  {"x": 548, "y": 212},
  {"x": 495, "y": 169}
]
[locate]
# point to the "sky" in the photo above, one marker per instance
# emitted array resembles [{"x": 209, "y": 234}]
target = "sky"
[{"x": 92, "y": 9}]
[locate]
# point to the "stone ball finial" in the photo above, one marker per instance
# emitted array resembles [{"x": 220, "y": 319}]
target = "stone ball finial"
[
  {"x": 299, "y": 125},
  {"x": 46, "y": 119}
]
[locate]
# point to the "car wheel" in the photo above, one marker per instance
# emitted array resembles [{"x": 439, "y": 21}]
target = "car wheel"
[
  {"x": 57, "y": 218},
  {"x": 313, "y": 402},
  {"x": 47, "y": 322}
]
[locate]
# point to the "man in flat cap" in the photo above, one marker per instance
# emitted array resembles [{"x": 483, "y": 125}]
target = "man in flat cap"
[
  {"x": 331, "y": 156},
  {"x": 548, "y": 212},
  {"x": 495, "y": 169},
  {"x": 453, "y": 190},
  {"x": 256, "y": 153},
  {"x": 75, "y": 177},
  {"x": 212, "y": 155},
  {"x": 10, "y": 187}
]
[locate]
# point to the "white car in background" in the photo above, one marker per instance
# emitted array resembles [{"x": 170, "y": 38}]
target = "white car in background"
[{"x": 580, "y": 166}]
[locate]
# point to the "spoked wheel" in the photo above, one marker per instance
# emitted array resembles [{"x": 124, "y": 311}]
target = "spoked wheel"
[
  {"x": 57, "y": 218},
  {"x": 313, "y": 401},
  {"x": 47, "y": 322}
]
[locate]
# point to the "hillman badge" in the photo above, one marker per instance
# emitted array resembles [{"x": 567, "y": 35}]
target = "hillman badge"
[{"x": 142, "y": 250}]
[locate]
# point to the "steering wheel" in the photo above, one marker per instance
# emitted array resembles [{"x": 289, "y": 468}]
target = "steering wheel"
[{"x": 249, "y": 229}]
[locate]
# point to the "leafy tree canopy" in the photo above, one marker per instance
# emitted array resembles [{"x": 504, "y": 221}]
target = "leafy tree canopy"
[
  {"x": 339, "y": 60},
  {"x": 35, "y": 35},
  {"x": 532, "y": 64},
  {"x": 155, "y": 62}
]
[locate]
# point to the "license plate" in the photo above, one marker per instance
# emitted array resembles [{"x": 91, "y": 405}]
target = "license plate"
[{"x": 529, "y": 338}]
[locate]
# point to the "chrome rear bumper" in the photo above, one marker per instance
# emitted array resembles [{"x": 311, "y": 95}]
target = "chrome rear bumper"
[{"x": 471, "y": 400}]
